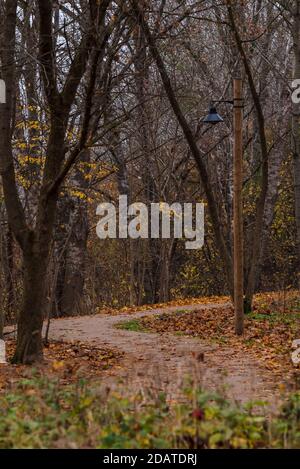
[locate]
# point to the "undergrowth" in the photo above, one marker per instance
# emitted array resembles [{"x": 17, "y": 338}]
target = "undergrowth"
[{"x": 40, "y": 413}]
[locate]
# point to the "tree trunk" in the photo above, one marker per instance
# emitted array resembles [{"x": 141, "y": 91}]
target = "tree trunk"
[
  {"x": 256, "y": 235},
  {"x": 29, "y": 340},
  {"x": 167, "y": 250},
  {"x": 296, "y": 129},
  {"x": 36, "y": 252},
  {"x": 274, "y": 179},
  {"x": 9, "y": 271},
  {"x": 72, "y": 296}
]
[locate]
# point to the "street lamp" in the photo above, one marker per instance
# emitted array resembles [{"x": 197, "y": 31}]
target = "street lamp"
[
  {"x": 213, "y": 117},
  {"x": 238, "y": 256}
]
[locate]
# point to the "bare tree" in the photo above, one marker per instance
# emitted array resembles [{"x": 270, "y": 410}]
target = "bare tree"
[{"x": 35, "y": 242}]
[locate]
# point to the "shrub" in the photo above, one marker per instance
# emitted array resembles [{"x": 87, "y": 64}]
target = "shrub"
[{"x": 42, "y": 413}]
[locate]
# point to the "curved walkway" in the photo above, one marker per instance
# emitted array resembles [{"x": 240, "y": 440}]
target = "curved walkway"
[{"x": 162, "y": 362}]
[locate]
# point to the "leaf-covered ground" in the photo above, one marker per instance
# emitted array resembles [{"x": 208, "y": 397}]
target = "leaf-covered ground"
[
  {"x": 178, "y": 302},
  {"x": 70, "y": 400},
  {"x": 269, "y": 330},
  {"x": 160, "y": 347},
  {"x": 67, "y": 361}
]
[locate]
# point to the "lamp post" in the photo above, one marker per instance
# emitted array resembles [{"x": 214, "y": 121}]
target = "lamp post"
[
  {"x": 238, "y": 255},
  {"x": 2, "y": 343}
]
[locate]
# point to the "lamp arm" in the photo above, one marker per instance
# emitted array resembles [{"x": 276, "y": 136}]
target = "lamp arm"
[{"x": 219, "y": 101}]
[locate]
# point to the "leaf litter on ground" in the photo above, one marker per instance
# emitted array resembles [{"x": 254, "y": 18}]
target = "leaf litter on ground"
[
  {"x": 67, "y": 361},
  {"x": 269, "y": 330}
]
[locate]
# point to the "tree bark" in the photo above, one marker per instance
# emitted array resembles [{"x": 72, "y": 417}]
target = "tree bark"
[
  {"x": 296, "y": 128},
  {"x": 29, "y": 347},
  {"x": 36, "y": 251},
  {"x": 71, "y": 233}
]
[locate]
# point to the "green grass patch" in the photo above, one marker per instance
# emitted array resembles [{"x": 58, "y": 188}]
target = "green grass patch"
[
  {"x": 276, "y": 317},
  {"x": 133, "y": 325}
]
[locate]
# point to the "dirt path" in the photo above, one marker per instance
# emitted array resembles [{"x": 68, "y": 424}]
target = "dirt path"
[{"x": 164, "y": 361}]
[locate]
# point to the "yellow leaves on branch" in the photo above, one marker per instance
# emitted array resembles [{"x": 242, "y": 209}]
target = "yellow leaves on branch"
[{"x": 24, "y": 160}]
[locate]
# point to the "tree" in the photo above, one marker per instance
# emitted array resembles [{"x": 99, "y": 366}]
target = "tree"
[
  {"x": 295, "y": 12},
  {"x": 60, "y": 96},
  {"x": 223, "y": 248}
]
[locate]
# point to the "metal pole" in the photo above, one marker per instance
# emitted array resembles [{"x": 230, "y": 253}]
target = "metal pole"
[
  {"x": 238, "y": 207},
  {"x": 2, "y": 344}
]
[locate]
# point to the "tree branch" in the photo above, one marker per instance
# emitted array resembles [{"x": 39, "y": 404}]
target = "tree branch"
[
  {"x": 15, "y": 212},
  {"x": 46, "y": 52},
  {"x": 223, "y": 249}
]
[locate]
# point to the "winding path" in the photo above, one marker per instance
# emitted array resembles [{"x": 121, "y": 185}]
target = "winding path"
[{"x": 162, "y": 362}]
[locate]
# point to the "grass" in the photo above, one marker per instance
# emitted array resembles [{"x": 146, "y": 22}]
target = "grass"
[
  {"x": 276, "y": 316},
  {"x": 133, "y": 325}
]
